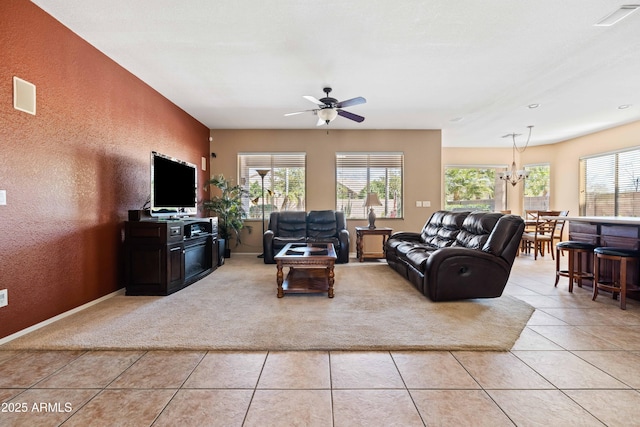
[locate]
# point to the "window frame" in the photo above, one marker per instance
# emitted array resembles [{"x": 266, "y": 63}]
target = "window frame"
[
  {"x": 546, "y": 205},
  {"x": 392, "y": 206},
  {"x": 253, "y": 161},
  {"x": 620, "y": 186},
  {"x": 502, "y": 189}
]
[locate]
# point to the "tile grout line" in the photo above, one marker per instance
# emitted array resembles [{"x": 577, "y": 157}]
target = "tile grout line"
[
  {"x": 255, "y": 388},
  {"x": 484, "y": 390},
  {"x": 415, "y": 405},
  {"x": 333, "y": 414},
  {"x": 180, "y": 387}
]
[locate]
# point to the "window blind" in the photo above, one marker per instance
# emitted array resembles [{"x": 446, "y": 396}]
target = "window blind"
[
  {"x": 284, "y": 183},
  {"x": 359, "y": 173},
  {"x": 610, "y": 183}
]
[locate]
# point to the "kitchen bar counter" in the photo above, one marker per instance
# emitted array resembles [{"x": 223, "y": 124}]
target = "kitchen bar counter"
[
  {"x": 610, "y": 231},
  {"x": 613, "y": 220}
]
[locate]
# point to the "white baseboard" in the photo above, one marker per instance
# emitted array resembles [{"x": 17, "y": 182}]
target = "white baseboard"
[{"x": 60, "y": 316}]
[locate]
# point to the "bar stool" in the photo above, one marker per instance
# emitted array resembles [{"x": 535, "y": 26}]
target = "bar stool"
[
  {"x": 621, "y": 258},
  {"x": 575, "y": 249}
]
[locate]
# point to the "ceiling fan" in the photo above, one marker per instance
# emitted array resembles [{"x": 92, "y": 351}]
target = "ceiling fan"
[{"x": 330, "y": 108}]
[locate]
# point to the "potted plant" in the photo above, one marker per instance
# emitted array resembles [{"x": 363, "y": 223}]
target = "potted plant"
[{"x": 227, "y": 206}]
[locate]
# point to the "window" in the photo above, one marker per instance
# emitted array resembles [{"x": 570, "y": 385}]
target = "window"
[
  {"x": 536, "y": 187},
  {"x": 284, "y": 183},
  {"x": 469, "y": 188},
  {"x": 358, "y": 174},
  {"x": 609, "y": 184}
]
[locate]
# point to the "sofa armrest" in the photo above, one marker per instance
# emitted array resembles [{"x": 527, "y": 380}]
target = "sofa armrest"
[
  {"x": 267, "y": 247},
  {"x": 343, "y": 237},
  {"x": 460, "y": 273}
]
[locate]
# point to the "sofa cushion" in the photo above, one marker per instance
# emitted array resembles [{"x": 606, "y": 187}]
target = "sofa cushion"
[
  {"x": 321, "y": 225},
  {"x": 476, "y": 229},
  {"x": 404, "y": 248},
  {"x": 418, "y": 256},
  {"x": 442, "y": 228},
  {"x": 292, "y": 225}
]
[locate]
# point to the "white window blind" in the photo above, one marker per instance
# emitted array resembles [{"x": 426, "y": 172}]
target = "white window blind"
[
  {"x": 284, "y": 183},
  {"x": 469, "y": 188},
  {"x": 536, "y": 187},
  {"x": 610, "y": 184},
  {"x": 360, "y": 173}
]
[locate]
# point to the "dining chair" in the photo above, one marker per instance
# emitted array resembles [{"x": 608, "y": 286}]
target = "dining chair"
[
  {"x": 542, "y": 235},
  {"x": 530, "y": 218},
  {"x": 559, "y": 230}
]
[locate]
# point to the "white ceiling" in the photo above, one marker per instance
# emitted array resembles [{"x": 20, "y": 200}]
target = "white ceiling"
[{"x": 421, "y": 64}]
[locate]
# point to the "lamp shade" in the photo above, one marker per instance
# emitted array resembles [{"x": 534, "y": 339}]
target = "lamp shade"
[{"x": 372, "y": 200}]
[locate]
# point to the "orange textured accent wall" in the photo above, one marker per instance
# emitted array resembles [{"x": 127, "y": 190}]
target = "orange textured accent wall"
[{"x": 72, "y": 171}]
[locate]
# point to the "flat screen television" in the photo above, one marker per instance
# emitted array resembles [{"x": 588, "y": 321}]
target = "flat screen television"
[{"x": 173, "y": 187}]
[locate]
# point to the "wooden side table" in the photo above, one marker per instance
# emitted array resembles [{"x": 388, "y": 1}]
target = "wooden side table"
[{"x": 385, "y": 232}]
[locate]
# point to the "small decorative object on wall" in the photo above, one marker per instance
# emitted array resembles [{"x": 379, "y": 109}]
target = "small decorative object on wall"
[
  {"x": 24, "y": 96},
  {"x": 372, "y": 200}
]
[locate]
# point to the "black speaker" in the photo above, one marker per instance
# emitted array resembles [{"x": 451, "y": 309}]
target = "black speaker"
[{"x": 136, "y": 215}]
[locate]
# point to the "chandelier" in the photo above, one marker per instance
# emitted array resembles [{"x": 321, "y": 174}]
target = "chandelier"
[{"x": 515, "y": 175}]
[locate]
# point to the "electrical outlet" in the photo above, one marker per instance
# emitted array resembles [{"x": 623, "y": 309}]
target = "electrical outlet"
[{"x": 4, "y": 297}]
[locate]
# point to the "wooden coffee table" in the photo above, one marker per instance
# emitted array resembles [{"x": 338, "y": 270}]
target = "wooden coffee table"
[{"x": 310, "y": 268}]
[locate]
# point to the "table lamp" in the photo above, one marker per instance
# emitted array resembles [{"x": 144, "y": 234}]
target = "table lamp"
[{"x": 371, "y": 201}]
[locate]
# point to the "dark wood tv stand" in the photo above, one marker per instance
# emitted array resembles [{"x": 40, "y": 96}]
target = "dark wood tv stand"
[{"x": 164, "y": 256}]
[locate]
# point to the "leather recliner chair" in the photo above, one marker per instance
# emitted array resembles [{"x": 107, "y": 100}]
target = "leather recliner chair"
[{"x": 326, "y": 226}]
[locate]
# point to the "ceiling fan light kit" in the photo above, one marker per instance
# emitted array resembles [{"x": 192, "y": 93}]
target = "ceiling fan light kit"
[
  {"x": 327, "y": 114},
  {"x": 330, "y": 108}
]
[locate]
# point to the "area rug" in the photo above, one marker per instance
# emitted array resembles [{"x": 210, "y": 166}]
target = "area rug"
[{"x": 236, "y": 308}]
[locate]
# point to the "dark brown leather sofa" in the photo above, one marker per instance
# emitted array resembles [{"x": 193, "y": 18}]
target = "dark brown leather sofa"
[
  {"x": 458, "y": 255},
  {"x": 326, "y": 226}
]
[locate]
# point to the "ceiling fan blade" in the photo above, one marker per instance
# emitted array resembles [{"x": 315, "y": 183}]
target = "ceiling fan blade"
[
  {"x": 350, "y": 102},
  {"x": 314, "y": 100},
  {"x": 351, "y": 116},
  {"x": 298, "y": 112},
  {"x": 320, "y": 122}
]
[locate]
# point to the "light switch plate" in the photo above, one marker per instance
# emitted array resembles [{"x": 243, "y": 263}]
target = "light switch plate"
[
  {"x": 418, "y": 204},
  {"x": 3, "y": 197},
  {"x": 426, "y": 204},
  {"x": 4, "y": 297},
  {"x": 204, "y": 163}
]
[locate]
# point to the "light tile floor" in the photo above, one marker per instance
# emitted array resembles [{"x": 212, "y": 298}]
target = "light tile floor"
[{"x": 576, "y": 363}]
